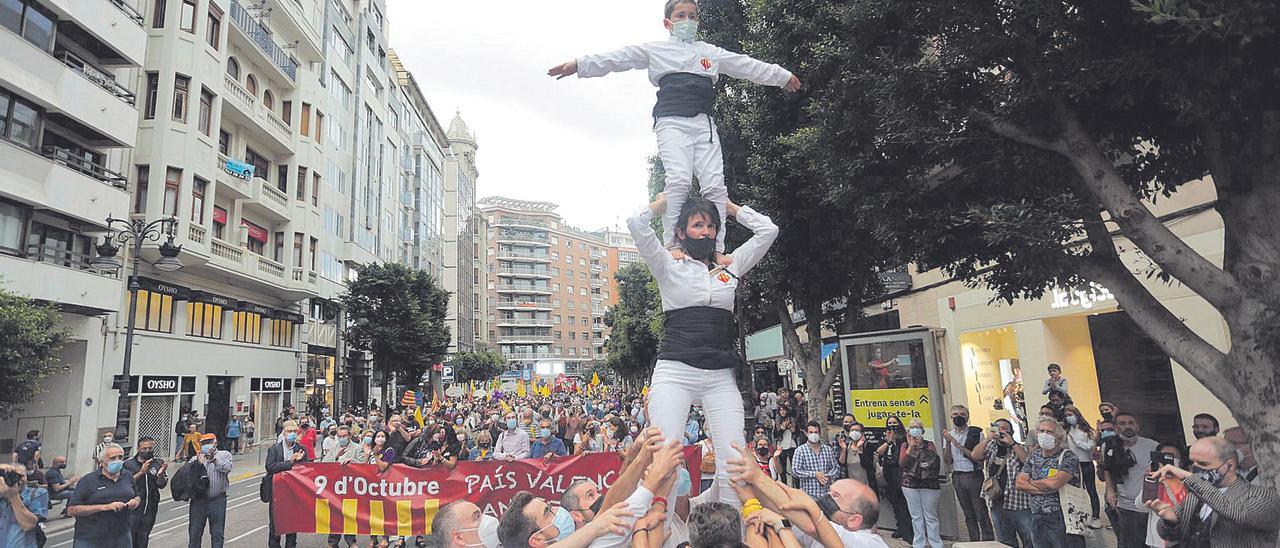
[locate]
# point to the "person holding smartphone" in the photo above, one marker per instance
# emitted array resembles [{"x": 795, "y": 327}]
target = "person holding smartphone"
[
  {"x": 888, "y": 453},
  {"x": 1002, "y": 458},
  {"x": 1169, "y": 490}
]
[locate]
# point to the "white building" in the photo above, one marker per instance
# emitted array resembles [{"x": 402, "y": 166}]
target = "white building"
[{"x": 461, "y": 254}]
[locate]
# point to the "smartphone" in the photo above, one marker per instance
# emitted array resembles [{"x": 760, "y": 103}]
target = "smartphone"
[
  {"x": 995, "y": 428},
  {"x": 1150, "y": 489}
]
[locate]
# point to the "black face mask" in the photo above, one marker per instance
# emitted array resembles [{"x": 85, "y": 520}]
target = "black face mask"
[
  {"x": 595, "y": 506},
  {"x": 959, "y": 420},
  {"x": 146, "y": 455},
  {"x": 701, "y": 249},
  {"x": 828, "y": 506}
]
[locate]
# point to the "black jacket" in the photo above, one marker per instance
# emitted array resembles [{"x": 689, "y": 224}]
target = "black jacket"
[
  {"x": 278, "y": 462},
  {"x": 149, "y": 485}
]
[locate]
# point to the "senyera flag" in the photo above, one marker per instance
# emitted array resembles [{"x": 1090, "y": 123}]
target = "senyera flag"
[{"x": 357, "y": 499}]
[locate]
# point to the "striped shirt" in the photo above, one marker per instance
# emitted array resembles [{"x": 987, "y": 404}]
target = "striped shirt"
[
  {"x": 806, "y": 463},
  {"x": 219, "y": 468}
]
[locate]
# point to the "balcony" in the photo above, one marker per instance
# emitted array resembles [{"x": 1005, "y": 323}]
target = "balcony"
[
  {"x": 518, "y": 222},
  {"x": 598, "y": 254},
  {"x": 57, "y": 181},
  {"x": 235, "y": 182},
  {"x": 260, "y": 36},
  {"x": 98, "y": 76},
  {"x": 290, "y": 16},
  {"x": 597, "y": 342},
  {"x": 523, "y": 239},
  {"x": 267, "y": 200},
  {"x": 597, "y": 327},
  {"x": 524, "y": 339},
  {"x": 61, "y": 276},
  {"x": 528, "y": 289},
  {"x": 527, "y": 355},
  {"x": 595, "y": 267},
  {"x": 247, "y": 110},
  {"x": 519, "y": 255},
  {"x": 597, "y": 283},
  {"x": 523, "y": 322},
  {"x": 597, "y": 310},
  {"x": 258, "y": 272},
  {"x": 67, "y": 87},
  {"x": 523, "y": 305},
  {"x": 112, "y": 29},
  {"x": 524, "y": 272}
]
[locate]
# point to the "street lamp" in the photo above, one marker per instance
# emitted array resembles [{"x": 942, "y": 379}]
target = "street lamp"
[{"x": 134, "y": 232}]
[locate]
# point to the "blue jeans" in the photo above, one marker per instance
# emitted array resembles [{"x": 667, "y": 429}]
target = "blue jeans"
[
  {"x": 923, "y": 504},
  {"x": 1012, "y": 525},
  {"x": 1050, "y": 532},
  {"x": 214, "y": 511}
]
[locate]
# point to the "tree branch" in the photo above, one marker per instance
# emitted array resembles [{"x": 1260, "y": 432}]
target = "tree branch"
[
  {"x": 1103, "y": 265},
  {"x": 1013, "y": 132},
  {"x": 1175, "y": 256}
]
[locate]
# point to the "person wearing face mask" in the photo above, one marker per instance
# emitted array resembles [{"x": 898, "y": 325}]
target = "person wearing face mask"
[
  {"x": 921, "y": 484},
  {"x": 150, "y": 475},
  {"x": 767, "y": 461},
  {"x": 1220, "y": 509},
  {"x": 212, "y": 508},
  {"x": 958, "y": 443},
  {"x": 1080, "y": 439},
  {"x": 281, "y": 458},
  {"x": 1124, "y": 487},
  {"x": 483, "y": 449},
  {"x": 1244, "y": 444},
  {"x": 60, "y": 487},
  {"x": 889, "y": 455},
  {"x": 344, "y": 449},
  {"x": 107, "y": 439},
  {"x": 1048, "y": 468},
  {"x": 461, "y": 524},
  {"x": 99, "y": 500},
  {"x": 1204, "y": 425},
  {"x": 1170, "y": 489},
  {"x": 1002, "y": 458},
  {"x": 513, "y": 443},
  {"x": 814, "y": 464},
  {"x": 547, "y": 446}
]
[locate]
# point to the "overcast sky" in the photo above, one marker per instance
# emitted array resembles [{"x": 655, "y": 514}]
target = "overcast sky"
[{"x": 581, "y": 143}]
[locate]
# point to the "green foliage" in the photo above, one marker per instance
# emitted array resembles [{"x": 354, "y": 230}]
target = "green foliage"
[
  {"x": 398, "y": 314},
  {"x": 635, "y": 323},
  {"x": 477, "y": 366},
  {"x": 31, "y": 339}
]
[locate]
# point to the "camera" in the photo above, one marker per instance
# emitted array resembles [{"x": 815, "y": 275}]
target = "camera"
[
  {"x": 1116, "y": 459},
  {"x": 12, "y": 477},
  {"x": 1159, "y": 459}
]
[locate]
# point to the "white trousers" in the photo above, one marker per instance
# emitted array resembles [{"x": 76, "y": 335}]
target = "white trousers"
[
  {"x": 675, "y": 387},
  {"x": 690, "y": 147}
]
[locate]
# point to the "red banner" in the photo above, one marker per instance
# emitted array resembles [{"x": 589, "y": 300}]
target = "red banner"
[{"x": 355, "y": 499}]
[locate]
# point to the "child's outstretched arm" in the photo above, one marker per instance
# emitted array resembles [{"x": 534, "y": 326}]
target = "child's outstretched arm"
[
  {"x": 600, "y": 64},
  {"x": 746, "y": 67}
]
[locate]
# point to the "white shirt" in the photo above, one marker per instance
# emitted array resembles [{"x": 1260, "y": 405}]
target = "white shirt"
[
  {"x": 862, "y": 538},
  {"x": 513, "y": 442},
  {"x": 959, "y": 455},
  {"x": 638, "y": 504},
  {"x": 687, "y": 282},
  {"x": 1081, "y": 444},
  {"x": 673, "y": 55}
]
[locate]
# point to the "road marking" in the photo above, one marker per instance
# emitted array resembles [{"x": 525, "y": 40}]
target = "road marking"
[
  {"x": 260, "y": 527},
  {"x": 253, "y": 496}
]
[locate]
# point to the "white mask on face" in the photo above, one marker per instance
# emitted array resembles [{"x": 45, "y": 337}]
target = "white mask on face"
[
  {"x": 815, "y": 438},
  {"x": 1046, "y": 441}
]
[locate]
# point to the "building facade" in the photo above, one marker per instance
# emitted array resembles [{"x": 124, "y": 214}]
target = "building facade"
[
  {"x": 549, "y": 285},
  {"x": 289, "y": 149},
  {"x": 460, "y": 235}
]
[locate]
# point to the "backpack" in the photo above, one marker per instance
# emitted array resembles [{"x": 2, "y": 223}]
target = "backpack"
[{"x": 191, "y": 482}]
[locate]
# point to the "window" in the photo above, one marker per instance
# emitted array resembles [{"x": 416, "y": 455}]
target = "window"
[
  {"x": 573, "y": 335},
  {"x": 281, "y": 333},
  {"x": 260, "y": 164},
  {"x": 205, "y": 123},
  {"x": 219, "y": 223},
  {"x": 157, "y": 15},
  {"x": 180, "y": 85},
  {"x": 304, "y": 124},
  {"x": 187, "y": 21},
  {"x": 19, "y": 120},
  {"x": 315, "y": 188},
  {"x": 13, "y": 221},
  {"x": 233, "y": 68},
  {"x": 248, "y": 327},
  {"x": 302, "y": 185},
  {"x": 311, "y": 252},
  {"x": 257, "y": 246},
  {"x": 282, "y": 178},
  {"x": 286, "y": 112},
  {"x": 204, "y": 320},
  {"x": 155, "y": 312},
  {"x": 140, "y": 189},
  {"x": 213, "y": 27},
  {"x": 268, "y": 99},
  {"x": 319, "y": 125},
  {"x": 30, "y": 20},
  {"x": 298, "y": 240},
  {"x": 198, "y": 187},
  {"x": 149, "y": 106},
  {"x": 172, "y": 182},
  {"x": 278, "y": 255},
  {"x": 251, "y": 85}
]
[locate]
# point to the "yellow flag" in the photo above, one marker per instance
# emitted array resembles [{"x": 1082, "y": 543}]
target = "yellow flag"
[
  {"x": 595, "y": 379},
  {"x": 520, "y": 391},
  {"x": 417, "y": 415},
  {"x": 505, "y": 408},
  {"x": 644, "y": 391}
]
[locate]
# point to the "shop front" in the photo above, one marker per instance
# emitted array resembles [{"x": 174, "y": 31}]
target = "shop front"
[
  {"x": 156, "y": 402},
  {"x": 268, "y": 396}
]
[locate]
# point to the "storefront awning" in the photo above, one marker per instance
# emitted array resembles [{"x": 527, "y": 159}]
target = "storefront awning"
[
  {"x": 246, "y": 306},
  {"x": 211, "y": 298},
  {"x": 287, "y": 316},
  {"x": 164, "y": 288}
]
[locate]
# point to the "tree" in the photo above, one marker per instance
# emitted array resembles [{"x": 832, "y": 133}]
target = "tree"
[
  {"x": 398, "y": 314},
  {"x": 477, "y": 366},
  {"x": 826, "y": 252},
  {"x": 635, "y": 323},
  {"x": 1013, "y": 141},
  {"x": 31, "y": 340}
]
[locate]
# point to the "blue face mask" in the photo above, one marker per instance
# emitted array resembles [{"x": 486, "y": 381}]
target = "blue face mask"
[
  {"x": 115, "y": 466},
  {"x": 1106, "y": 434},
  {"x": 342, "y": 442},
  {"x": 685, "y": 31},
  {"x": 683, "y": 483},
  {"x": 511, "y": 424},
  {"x": 916, "y": 432},
  {"x": 207, "y": 448},
  {"x": 291, "y": 437},
  {"x": 457, "y": 422},
  {"x": 368, "y": 440},
  {"x": 544, "y": 433},
  {"x": 564, "y": 523}
]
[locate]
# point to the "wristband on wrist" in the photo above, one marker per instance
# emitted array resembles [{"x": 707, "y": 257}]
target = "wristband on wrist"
[{"x": 661, "y": 500}]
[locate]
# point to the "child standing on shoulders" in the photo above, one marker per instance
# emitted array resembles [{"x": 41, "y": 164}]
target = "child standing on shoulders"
[{"x": 685, "y": 71}]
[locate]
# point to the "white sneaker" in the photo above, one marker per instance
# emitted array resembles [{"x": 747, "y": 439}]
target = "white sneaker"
[{"x": 1096, "y": 523}]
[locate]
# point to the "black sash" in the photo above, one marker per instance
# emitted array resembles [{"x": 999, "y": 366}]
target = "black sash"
[
  {"x": 699, "y": 336},
  {"x": 685, "y": 94}
]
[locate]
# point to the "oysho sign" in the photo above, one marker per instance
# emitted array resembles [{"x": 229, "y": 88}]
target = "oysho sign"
[
  {"x": 272, "y": 385},
  {"x": 159, "y": 385}
]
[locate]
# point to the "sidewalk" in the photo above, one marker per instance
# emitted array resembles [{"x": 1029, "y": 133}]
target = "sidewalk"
[{"x": 248, "y": 464}]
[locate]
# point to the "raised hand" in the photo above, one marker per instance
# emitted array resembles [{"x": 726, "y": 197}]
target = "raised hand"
[{"x": 564, "y": 70}]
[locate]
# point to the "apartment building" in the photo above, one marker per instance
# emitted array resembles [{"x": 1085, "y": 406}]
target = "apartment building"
[
  {"x": 460, "y": 236},
  {"x": 549, "y": 285},
  {"x": 290, "y": 152},
  {"x": 68, "y": 119}
]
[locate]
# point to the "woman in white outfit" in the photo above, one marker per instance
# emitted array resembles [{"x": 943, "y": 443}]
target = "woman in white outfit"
[{"x": 696, "y": 359}]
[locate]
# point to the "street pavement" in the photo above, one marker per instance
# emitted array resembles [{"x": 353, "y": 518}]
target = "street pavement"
[{"x": 247, "y": 517}]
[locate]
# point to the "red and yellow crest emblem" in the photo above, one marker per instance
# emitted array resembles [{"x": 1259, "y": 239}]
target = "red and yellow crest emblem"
[
  {"x": 723, "y": 277},
  {"x": 706, "y": 63}
]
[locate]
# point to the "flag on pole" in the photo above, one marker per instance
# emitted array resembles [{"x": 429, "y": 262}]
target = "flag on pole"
[
  {"x": 407, "y": 398},
  {"x": 595, "y": 379},
  {"x": 520, "y": 391}
]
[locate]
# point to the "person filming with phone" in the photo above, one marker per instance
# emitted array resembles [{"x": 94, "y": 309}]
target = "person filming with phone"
[{"x": 1220, "y": 509}]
